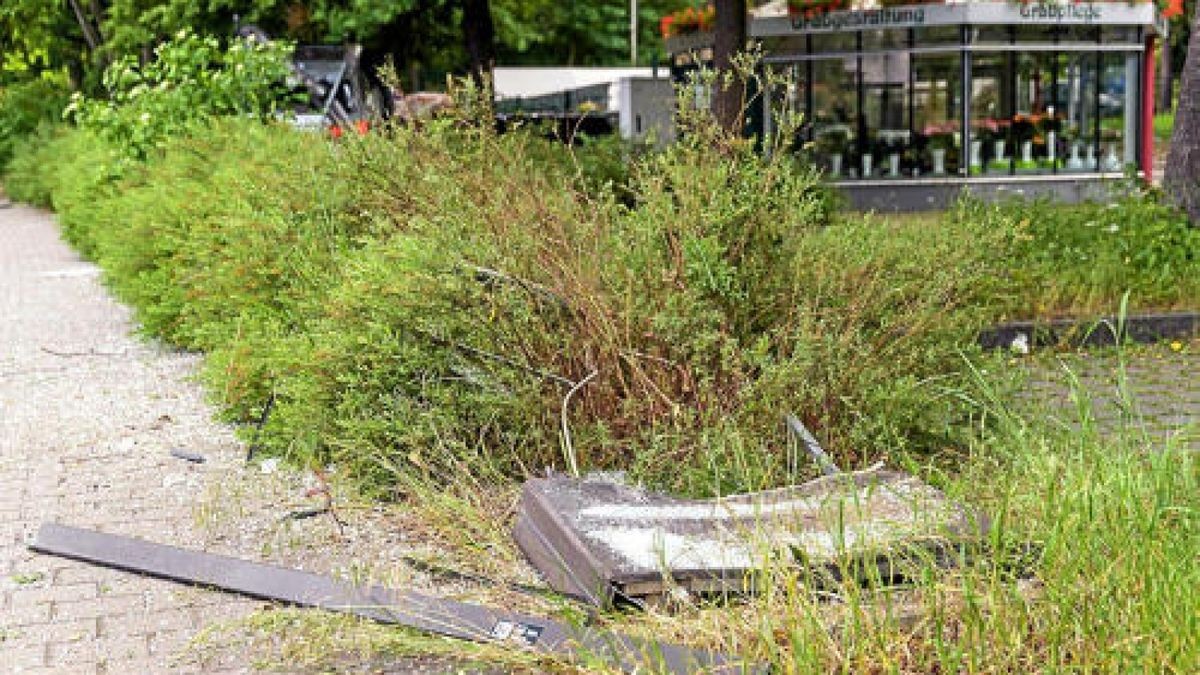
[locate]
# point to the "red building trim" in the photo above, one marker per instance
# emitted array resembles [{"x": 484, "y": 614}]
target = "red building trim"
[{"x": 1148, "y": 76}]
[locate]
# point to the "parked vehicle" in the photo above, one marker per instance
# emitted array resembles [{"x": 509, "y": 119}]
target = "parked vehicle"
[{"x": 334, "y": 91}]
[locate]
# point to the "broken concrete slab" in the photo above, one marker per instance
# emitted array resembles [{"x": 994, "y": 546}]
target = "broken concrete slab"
[{"x": 598, "y": 540}]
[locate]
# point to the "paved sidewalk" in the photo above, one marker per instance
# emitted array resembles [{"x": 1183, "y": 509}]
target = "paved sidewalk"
[
  {"x": 1161, "y": 396},
  {"x": 88, "y": 415}
]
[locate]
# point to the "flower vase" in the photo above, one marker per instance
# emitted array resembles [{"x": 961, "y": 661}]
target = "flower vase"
[
  {"x": 998, "y": 146},
  {"x": 866, "y": 165},
  {"x": 1075, "y": 163},
  {"x": 1027, "y": 152},
  {"x": 1111, "y": 163},
  {"x": 939, "y": 161},
  {"x": 894, "y": 165},
  {"x": 976, "y": 153},
  {"x": 835, "y": 165}
]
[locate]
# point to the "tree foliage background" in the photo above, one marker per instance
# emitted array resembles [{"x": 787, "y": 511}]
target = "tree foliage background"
[{"x": 422, "y": 37}]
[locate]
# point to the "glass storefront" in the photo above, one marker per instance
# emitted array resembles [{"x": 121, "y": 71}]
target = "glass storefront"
[{"x": 957, "y": 100}]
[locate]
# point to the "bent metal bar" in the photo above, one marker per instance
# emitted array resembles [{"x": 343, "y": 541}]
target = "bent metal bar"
[{"x": 904, "y": 105}]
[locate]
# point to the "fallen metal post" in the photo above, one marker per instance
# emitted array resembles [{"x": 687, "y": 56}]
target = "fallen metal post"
[
  {"x": 812, "y": 446},
  {"x": 422, "y": 612}
]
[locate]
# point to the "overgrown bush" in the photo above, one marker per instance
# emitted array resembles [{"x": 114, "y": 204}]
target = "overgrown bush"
[
  {"x": 25, "y": 106},
  {"x": 415, "y": 297},
  {"x": 190, "y": 79}
]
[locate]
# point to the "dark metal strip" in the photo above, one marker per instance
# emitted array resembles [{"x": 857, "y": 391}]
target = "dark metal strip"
[{"x": 430, "y": 614}]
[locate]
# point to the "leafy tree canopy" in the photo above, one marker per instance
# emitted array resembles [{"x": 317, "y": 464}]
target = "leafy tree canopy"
[{"x": 82, "y": 36}]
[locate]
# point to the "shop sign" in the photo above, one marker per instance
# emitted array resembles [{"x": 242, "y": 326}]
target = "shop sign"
[
  {"x": 887, "y": 17},
  {"x": 975, "y": 13},
  {"x": 1075, "y": 12}
]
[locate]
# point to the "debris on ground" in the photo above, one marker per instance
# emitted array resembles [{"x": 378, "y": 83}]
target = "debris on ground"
[
  {"x": 602, "y": 541},
  {"x": 423, "y": 612},
  {"x": 185, "y": 455}
]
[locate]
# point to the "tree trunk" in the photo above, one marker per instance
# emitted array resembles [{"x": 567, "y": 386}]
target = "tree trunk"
[
  {"x": 1181, "y": 179},
  {"x": 729, "y": 38},
  {"x": 479, "y": 36}
]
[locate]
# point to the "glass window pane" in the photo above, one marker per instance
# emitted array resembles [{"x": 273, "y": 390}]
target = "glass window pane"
[
  {"x": 1035, "y": 125},
  {"x": 937, "y": 112},
  {"x": 1078, "y": 34},
  {"x": 990, "y": 34},
  {"x": 1078, "y": 104},
  {"x": 1111, "y": 35},
  {"x": 790, "y": 45},
  {"x": 828, "y": 43},
  {"x": 887, "y": 133},
  {"x": 1118, "y": 111},
  {"x": 1041, "y": 34},
  {"x": 835, "y": 115},
  {"x": 991, "y": 114},
  {"x": 884, "y": 39},
  {"x": 938, "y": 35}
]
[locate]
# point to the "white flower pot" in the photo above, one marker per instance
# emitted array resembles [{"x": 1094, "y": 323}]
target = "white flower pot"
[
  {"x": 998, "y": 146},
  {"x": 866, "y": 165},
  {"x": 1075, "y": 163},
  {"x": 835, "y": 164},
  {"x": 1111, "y": 162},
  {"x": 939, "y": 161},
  {"x": 976, "y": 153},
  {"x": 1027, "y": 151},
  {"x": 894, "y": 165},
  {"x": 1051, "y": 146},
  {"x": 1090, "y": 162}
]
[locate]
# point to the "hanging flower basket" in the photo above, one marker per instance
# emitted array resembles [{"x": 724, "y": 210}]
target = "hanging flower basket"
[
  {"x": 687, "y": 21},
  {"x": 810, "y": 8}
]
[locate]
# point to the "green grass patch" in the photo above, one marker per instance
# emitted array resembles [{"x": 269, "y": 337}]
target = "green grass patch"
[{"x": 1164, "y": 127}]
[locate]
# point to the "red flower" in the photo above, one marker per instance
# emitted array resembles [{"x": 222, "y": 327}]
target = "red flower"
[{"x": 664, "y": 25}]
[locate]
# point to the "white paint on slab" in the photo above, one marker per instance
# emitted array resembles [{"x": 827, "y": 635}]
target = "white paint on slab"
[{"x": 656, "y": 549}]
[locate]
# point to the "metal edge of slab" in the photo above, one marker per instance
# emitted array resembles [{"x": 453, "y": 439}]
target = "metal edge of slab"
[
  {"x": 439, "y": 616},
  {"x": 554, "y": 545}
]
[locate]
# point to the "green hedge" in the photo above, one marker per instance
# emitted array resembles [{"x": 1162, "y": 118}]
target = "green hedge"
[
  {"x": 25, "y": 106},
  {"x": 419, "y": 302}
]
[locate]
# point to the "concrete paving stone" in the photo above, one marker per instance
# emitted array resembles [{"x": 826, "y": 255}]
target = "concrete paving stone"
[
  {"x": 19, "y": 616},
  {"x": 61, "y": 631},
  {"x": 22, "y": 659},
  {"x": 1163, "y": 388}
]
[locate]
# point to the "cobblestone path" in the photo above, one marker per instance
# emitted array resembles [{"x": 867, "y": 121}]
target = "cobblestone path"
[
  {"x": 88, "y": 417},
  {"x": 1160, "y": 394}
]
